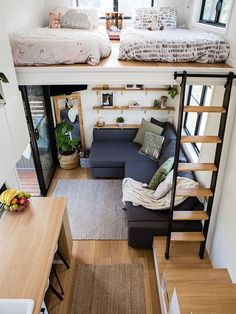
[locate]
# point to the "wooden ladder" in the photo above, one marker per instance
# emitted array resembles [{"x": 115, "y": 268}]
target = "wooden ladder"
[{"x": 207, "y": 193}]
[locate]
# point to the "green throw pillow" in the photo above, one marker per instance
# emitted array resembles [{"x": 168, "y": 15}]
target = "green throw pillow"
[
  {"x": 152, "y": 145},
  {"x": 161, "y": 173},
  {"x": 146, "y": 127}
]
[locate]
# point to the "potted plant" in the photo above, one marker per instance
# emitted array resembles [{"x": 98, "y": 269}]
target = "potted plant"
[
  {"x": 67, "y": 147},
  {"x": 173, "y": 91},
  {"x": 4, "y": 80},
  {"x": 120, "y": 121}
]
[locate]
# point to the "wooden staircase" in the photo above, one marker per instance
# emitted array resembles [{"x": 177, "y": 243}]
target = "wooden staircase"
[
  {"x": 199, "y": 289},
  {"x": 201, "y": 192}
]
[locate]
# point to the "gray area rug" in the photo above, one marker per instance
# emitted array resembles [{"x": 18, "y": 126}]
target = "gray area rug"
[
  {"x": 109, "y": 289},
  {"x": 94, "y": 208}
]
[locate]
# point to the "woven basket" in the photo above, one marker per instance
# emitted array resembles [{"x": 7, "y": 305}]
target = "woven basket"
[{"x": 69, "y": 162}]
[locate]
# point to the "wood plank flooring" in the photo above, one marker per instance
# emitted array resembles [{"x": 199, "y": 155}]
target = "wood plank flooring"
[{"x": 101, "y": 252}]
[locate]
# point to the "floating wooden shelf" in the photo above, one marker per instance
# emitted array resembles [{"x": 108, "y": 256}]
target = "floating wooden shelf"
[
  {"x": 187, "y": 236},
  {"x": 115, "y": 126},
  {"x": 122, "y": 108},
  {"x": 190, "y": 215},
  {"x": 209, "y": 109},
  {"x": 123, "y": 89},
  {"x": 196, "y": 167},
  {"x": 198, "y": 192},
  {"x": 200, "y": 139}
]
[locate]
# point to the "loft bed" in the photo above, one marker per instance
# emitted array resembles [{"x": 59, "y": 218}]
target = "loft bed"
[
  {"x": 111, "y": 71},
  {"x": 172, "y": 45}
]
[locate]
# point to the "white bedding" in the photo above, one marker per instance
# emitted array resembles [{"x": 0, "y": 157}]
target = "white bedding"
[
  {"x": 42, "y": 46},
  {"x": 172, "y": 45}
]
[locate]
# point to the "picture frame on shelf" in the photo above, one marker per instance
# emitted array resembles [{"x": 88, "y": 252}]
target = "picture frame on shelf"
[{"x": 107, "y": 98}]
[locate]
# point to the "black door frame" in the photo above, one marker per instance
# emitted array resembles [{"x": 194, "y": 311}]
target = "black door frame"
[{"x": 33, "y": 139}]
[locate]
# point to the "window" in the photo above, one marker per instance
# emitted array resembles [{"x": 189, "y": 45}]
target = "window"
[
  {"x": 193, "y": 121},
  {"x": 123, "y": 6},
  {"x": 215, "y": 12}
]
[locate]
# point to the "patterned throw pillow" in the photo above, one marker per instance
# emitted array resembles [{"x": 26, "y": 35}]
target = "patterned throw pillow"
[
  {"x": 168, "y": 17},
  {"x": 74, "y": 19},
  {"x": 161, "y": 173},
  {"x": 152, "y": 145},
  {"x": 144, "y": 17},
  {"x": 146, "y": 127}
]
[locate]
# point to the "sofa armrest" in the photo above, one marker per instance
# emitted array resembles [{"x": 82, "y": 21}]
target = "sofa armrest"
[{"x": 114, "y": 134}]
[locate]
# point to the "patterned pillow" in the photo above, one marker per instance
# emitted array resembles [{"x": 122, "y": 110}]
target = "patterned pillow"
[
  {"x": 144, "y": 17},
  {"x": 161, "y": 173},
  {"x": 74, "y": 19},
  {"x": 165, "y": 186},
  {"x": 152, "y": 145},
  {"x": 168, "y": 17}
]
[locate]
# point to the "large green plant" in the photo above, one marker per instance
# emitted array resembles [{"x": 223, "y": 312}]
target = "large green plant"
[
  {"x": 4, "y": 80},
  {"x": 65, "y": 144}
]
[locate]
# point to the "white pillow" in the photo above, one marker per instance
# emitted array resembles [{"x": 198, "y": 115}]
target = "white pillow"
[
  {"x": 91, "y": 12},
  {"x": 164, "y": 187},
  {"x": 168, "y": 17},
  {"x": 73, "y": 19},
  {"x": 144, "y": 17}
]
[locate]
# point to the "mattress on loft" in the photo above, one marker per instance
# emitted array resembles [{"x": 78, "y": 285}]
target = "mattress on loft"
[
  {"x": 45, "y": 46},
  {"x": 175, "y": 45}
]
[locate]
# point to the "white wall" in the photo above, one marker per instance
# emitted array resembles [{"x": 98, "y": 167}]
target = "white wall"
[
  {"x": 51, "y": 4},
  {"x": 23, "y": 14},
  {"x": 90, "y": 98}
]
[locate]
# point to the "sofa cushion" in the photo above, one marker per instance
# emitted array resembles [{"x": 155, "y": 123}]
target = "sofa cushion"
[
  {"x": 114, "y": 134},
  {"x": 152, "y": 145},
  {"x": 161, "y": 173},
  {"x": 113, "y": 154},
  {"x": 146, "y": 127},
  {"x": 140, "y": 170}
]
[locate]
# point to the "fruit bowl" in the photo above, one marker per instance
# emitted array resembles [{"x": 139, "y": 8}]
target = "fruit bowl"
[
  {"x": 18, "y": 210},
  {"x": 15, "y": 201}
]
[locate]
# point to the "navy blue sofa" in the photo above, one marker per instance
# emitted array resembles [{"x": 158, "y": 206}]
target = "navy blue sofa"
[{"x": 115, "y": 155}]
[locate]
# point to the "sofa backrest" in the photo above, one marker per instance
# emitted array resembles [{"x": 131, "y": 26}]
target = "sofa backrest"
[{"x": 114, "y": 134}]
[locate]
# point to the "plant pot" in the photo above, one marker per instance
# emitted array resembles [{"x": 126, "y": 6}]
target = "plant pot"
[
  {"x": 69, "y": 162},
  {"x": 120, "y": 124}
]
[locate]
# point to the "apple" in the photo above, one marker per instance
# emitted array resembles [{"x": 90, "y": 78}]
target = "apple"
[
  {"x": 27, "y": 195},
  {"x": 23, "y": 201},
  {"x": 20, "y": 195}
]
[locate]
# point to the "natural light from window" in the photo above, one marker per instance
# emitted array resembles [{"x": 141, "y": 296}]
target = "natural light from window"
[{"x": 215, "y": 11}]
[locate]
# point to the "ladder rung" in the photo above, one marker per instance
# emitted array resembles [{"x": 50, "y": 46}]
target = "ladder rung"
[
  {"x": 196, "y": 167},
  {"x": 210, "y": 109},
  {"x": 187, "y": 236},
  {"x": 200, "y": 139},
  {"x": 190, "y": 215},
  {"x": 198, "y": 192}
]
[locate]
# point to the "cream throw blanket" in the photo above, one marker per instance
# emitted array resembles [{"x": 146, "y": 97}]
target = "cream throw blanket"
[{"x": 138, "y": 194}]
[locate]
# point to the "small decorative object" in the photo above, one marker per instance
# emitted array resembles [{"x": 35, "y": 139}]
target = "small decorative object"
[
  {"x": 15, "y": 201},
  {"x": 67, "y": 146},
  {"x": 173, "y": 91},
  {"x": 107, "y": 98},
  {"x": 120, "y": 121},
  {"x": 105, "y": 86},
  {"x": 134, "y": 86},
  {"x": 135, "y": 105},
  {"x": 164, "y": 102},
  {"x": 54, "y": 20},
  {"x": 157, "y": 103},
  {"x": 84, "y": 159},
  {"x": 114, "y": 21},
  {"x": 100, "y": 122}
]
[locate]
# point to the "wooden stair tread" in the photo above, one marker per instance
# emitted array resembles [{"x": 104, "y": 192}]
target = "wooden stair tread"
[
  {"x": 198, "y": 275},
  {"x": 190, "y": 215},
  {"x": 198, "y": 192},
  {"x": 187, "y": 236},
  {"x": 200, "y": 139},
  {"x": 196, "y": 167},
  {"x": 210, "y": 109}
]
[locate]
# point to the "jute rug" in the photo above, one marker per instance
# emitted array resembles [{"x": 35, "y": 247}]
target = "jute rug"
[
  {"x": 109, "y": 289},
  {"x": 94, "y": 208}
]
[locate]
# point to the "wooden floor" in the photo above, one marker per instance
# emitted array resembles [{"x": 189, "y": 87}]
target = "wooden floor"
[{"x": 101, "y": 252}]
